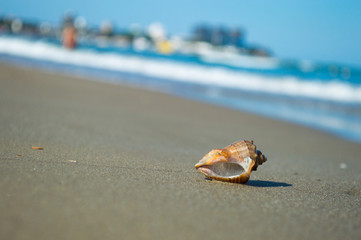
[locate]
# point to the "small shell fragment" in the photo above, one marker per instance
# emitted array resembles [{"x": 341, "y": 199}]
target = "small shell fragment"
[
  {"x": 72, "y": 161},
  {"x": 343, "y": 165},
  {"x": 233, "y": 163},
  {"x": 37, "y": 148}
]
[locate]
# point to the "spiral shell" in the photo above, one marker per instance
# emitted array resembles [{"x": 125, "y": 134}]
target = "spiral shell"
[{"x": 233, "y": 163}]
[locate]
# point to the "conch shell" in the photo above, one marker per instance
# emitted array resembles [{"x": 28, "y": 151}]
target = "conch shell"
[{"x": 233, "y": 163}]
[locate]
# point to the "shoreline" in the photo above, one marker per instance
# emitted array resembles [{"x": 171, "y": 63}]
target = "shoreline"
[{"x": 133, "y": 176}]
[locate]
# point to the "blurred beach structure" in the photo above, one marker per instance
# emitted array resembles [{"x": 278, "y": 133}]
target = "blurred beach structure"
[
  {"x": 214, "y": 64},
  {"x": 153, "y": 37}
]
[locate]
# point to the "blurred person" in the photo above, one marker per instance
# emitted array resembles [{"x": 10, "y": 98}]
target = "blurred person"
[{"x": 69, "y": 37}]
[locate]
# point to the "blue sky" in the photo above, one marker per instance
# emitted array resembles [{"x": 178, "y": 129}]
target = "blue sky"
[{"x": 319, "y": 30}]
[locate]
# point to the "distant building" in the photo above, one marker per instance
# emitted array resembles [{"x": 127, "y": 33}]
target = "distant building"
[{"x": 218, "y": 36}]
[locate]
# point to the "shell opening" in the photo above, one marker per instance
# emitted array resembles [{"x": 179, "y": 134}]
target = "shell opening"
[{"x": 225, "y": 169}]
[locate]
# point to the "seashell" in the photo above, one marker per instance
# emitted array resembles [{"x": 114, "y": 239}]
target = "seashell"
[{"x": 233, "y": 163}]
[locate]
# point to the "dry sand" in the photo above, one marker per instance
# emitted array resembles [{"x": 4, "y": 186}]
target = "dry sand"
[{"x": 118, "y": 163}]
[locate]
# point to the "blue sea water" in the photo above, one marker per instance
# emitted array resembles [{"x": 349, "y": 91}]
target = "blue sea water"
[{"x": 321, "y": 96}]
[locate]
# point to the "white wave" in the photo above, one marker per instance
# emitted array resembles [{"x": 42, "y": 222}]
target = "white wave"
[
  {"x": 237, "y": 60},
  {"x": 183, "y": 72}
]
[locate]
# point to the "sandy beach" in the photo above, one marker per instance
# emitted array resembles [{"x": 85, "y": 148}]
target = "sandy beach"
[{"x": 118, "y": 163}]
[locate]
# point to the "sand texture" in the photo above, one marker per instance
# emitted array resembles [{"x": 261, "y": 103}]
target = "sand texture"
[{"x": 118, "y": 163}]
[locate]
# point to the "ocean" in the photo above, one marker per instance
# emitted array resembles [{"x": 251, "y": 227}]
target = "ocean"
[{"x": 318, "y": 95}]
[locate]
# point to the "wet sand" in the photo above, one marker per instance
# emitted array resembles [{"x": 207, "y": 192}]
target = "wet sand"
[{"x": 118, "y": 163}]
